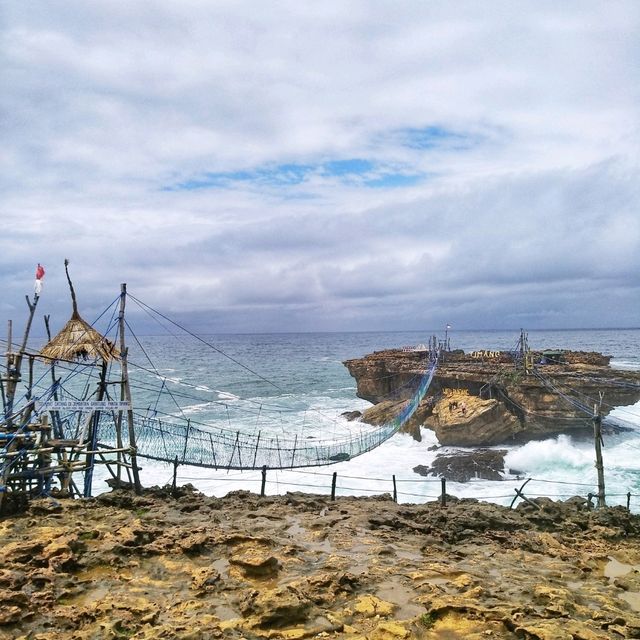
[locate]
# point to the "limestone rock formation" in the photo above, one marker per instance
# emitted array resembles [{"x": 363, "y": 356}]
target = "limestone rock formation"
[
  {"x": 303, "y": 566},
  {"x": 492, "y": 398}
]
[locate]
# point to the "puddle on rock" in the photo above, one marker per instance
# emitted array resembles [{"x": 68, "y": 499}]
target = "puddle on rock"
[
  {"x": 296, "y": 530},
  {"x": 313, "y": 542},
  {"x": 88, "y": 597},
  {"x": 616, "y": 569},
  {"x": 395, "y": 592},
  {"x": 408, "y": 555},
  {"x": 632, "y": 598},
  {"x": 221, "y": 566},
  {"x": 225, "y": 612},
  {"x": 437, "y": 581}
]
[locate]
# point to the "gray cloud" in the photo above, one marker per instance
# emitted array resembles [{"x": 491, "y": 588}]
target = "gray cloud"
[{"x": 289, "y": 166}]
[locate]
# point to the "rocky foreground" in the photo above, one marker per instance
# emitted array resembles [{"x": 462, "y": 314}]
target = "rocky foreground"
[{"x": 300, "y": 566}]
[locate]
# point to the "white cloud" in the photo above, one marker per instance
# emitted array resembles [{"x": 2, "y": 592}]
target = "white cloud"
[{"x": 525, "y": 207}]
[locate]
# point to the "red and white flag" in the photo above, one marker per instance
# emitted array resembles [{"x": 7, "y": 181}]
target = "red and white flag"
[{"x": 39, "y": 276}]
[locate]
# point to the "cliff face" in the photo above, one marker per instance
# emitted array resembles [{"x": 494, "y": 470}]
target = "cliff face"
[{"x": 487, "y": 399}]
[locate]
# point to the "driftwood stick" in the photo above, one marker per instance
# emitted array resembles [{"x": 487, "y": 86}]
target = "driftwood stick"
[
  {"x": 531, "y": 502},
  {"x": 519, "y": 492}
]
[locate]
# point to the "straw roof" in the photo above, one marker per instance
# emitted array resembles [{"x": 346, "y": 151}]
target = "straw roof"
[{"x": 78, "y": 339}]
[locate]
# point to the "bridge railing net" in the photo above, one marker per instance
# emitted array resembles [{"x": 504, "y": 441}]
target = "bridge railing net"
[{"x": 222, "y": 448}]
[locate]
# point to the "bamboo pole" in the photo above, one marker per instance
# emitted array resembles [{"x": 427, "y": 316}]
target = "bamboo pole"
[
  {"x": 127, "y": 391},
  {"x": 55, "y": 415},
  {"x": 14, "y": 365},
  {"x": 93, "y": 433},
  {"x": 13, "y": 377},
  {"x": 597, "y": 435}
]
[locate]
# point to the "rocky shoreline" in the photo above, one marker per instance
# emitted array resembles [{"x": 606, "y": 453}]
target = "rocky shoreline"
[{"x": 187, "y": 566}]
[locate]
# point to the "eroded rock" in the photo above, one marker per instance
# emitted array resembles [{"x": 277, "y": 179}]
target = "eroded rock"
[
  {"x": 463, "y": 466},
  {"x": 366, "y": 568}
]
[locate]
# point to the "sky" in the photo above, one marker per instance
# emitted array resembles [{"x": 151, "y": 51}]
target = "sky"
[{"x": 345, "y": 165}]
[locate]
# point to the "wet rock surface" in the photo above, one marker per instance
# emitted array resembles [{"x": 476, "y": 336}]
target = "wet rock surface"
[{"x": 301, "y": 566}]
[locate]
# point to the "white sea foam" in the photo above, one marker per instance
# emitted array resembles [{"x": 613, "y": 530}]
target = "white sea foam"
[
  {"x": 196, "y": 408},
  {"x": 227, "y": 395},
  {"x": 630, "y": 365},
  {"x": 628, "y": 414},
  {"x": 556, "y": 455}
]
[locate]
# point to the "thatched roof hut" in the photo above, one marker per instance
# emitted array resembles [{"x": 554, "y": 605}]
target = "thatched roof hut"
[{"x": 78, "y": 339}]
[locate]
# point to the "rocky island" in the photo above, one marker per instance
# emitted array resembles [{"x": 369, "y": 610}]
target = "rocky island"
[{"x": 486, "y": 398}]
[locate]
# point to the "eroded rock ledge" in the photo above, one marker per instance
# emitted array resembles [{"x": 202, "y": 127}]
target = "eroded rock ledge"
[
  {"x": 300, "y": 566},
  {"x": 490, "y": 400}
]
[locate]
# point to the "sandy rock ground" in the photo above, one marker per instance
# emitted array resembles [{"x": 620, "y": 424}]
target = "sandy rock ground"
[{"x": 301, "y": 566}]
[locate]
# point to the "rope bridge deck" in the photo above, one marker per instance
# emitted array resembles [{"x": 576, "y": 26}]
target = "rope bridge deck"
[{"x": 224, "y": 449}]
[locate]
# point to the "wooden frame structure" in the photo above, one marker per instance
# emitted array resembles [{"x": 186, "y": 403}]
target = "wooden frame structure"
[{"x": 38, "y": 455}]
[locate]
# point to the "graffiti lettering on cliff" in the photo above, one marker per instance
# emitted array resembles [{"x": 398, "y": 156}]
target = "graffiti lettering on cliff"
[
  {"x": 485, "y": 354},
  {"x": 450, "y": 393}
]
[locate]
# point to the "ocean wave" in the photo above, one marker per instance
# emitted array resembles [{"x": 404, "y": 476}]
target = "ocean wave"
[
  {"x": 558, "y": 456},
  {"x": 627, "y": 365},
  {"x": 226, "y": 395},
  {"x": 196, "y": 408}
]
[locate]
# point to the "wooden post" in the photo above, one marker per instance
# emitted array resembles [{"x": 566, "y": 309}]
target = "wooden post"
[
  {"x": 13, "y": 377},
  {"x": 4, "y": 397},
  {"x": 92, "y": 439},
  {"x": 9, "y": 362},
  {"x": 9, "y": 337},
  {"x": 235, "y": 444},
  {"x": 295, "y": 445},
  {"x": 443, "y": 495},
  {"x": 213, "y": 452},
  {"x": 174, "y": 484},
  {"x": 255, "y": 453},
  {"x": 30, "y": 383},
  {"x": 264, "y": 480},
  {"x": 395, "y": 491},
  {"x": 333, "y": 485},
  {"x": 14, "y": 364},
  {"x": 186, "y": 440},
  {"x": 127, "y": 392},
  {"x": 597, "y": 435},
  {"x": 55, "y": 415}
]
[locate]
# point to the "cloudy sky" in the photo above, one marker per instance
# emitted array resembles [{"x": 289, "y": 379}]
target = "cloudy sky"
[{"x": 335, "y": 165}]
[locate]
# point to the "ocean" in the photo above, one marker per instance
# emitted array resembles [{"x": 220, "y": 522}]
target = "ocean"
[{"x": 295, "y": 383}]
